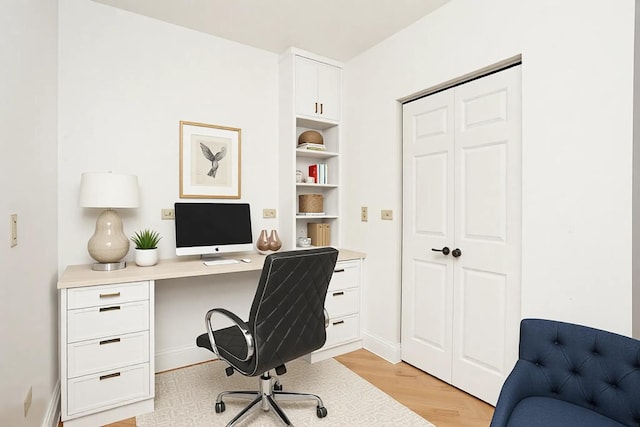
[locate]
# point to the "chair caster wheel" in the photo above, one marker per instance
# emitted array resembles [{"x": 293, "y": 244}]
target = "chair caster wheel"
[
  {"x": 277, "y": 387},
  {"x": 219, "y": 407},
  {"x": 321, "y": 411}
]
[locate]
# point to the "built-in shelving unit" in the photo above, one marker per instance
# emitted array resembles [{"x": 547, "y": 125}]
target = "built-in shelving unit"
[{"x": 309, "y": 100}]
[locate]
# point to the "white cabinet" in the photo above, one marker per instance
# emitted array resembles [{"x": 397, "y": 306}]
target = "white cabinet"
[
  {"x": 317, "y": 88},
  {"x": 106, "y": 352},
  {"x": 310, "y": 88},
  {"x": 343, "y": 305}
]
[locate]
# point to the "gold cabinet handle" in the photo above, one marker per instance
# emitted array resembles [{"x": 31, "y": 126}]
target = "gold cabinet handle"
[
  {"x": 339, "y": 322},
  {"x": 321, "y": 108},
  {"x": 337, "y": 294},
  {"x": 111, "y": 341},
  {"x": 112, "y": 295},
  {"x": 316, "y": 108},
  {"x": 115, "y": 307}
]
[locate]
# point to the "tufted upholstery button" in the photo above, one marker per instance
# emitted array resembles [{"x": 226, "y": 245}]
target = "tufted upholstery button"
[{"x": 556, "y": 342}]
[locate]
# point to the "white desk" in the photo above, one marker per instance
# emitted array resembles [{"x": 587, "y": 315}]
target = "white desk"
[{"x": 107, "y": 331}]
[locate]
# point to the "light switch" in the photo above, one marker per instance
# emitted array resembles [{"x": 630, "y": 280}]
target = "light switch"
[{"x": 364, "y": 214}]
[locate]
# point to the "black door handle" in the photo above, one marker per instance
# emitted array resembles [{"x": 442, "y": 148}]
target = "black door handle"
[
  {"x": 456, "y": 253},
  {"x": 445, "y": 250}
]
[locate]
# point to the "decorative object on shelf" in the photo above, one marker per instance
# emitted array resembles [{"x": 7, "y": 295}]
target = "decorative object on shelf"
[
  {"x": 146, "y": 252},
  {"x": 109, "y": 191},
  {"x": 262, "y": 244},
  {"x": 310, "y": 137},
  {"x": 310, "y": 203},
  {"x": 209, "y": 161},
  {"x": 298, "y": 176},
  {"x": 274, "y": 241},
  {"x": 304, "y": 242}
]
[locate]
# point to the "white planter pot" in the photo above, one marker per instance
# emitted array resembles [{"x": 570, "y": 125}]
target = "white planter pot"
[{"x": 146, "y": 257}]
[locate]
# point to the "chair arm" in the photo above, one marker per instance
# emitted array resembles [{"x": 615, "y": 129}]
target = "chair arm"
[
  {"x": 523, "y": 381},
  {"x": 326, "y": 318},
  {"x": 239, "y": 323}
]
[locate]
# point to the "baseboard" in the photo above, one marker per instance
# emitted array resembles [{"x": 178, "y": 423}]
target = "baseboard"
[
  {"x": 52, "y": 415},
  {"x": 385, "y": 349},
  {"x": 179, "y": 357}
]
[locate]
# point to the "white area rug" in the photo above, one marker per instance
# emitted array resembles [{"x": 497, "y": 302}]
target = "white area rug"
[{"x": 186, "y": 397}]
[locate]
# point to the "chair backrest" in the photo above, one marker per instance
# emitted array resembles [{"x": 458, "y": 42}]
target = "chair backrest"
[
  {"x": 287, "y": 314},
  {"x": 589, "y": 367}
]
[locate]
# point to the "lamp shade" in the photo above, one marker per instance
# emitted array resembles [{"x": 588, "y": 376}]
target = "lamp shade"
[{"x": 108, "y": 190}]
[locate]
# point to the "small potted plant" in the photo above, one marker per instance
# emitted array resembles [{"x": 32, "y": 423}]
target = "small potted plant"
[{"x": 146, "y": 252}]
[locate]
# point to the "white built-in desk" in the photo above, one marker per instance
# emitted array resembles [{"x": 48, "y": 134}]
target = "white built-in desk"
[{"x": 107, "y": 331}]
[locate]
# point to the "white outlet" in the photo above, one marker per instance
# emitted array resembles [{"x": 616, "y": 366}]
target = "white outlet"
[
  {"x": 386, "y": 214},
  {"x": 27, "y": 401},
  {"x": 268, "y": 213},
  {"x": 364, "y": 214}
]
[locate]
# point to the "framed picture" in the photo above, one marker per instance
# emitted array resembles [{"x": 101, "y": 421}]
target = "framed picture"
[{"x": 209, "y": 161}]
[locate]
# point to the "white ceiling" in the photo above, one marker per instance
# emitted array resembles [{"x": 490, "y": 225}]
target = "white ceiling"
[{"x": 338, "y": 29}]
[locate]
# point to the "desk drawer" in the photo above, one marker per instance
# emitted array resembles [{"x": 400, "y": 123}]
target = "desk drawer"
[
  {"x": 342, "y": 330},
  {"x": 342, "y": 302},
  {"x": 97, "y": 322},
  {"x": 92, "y": 296},
  {"x": 346, "y": 274},
  {"x": 89, "y": 357},
  {"x": 93, "y": 392}
]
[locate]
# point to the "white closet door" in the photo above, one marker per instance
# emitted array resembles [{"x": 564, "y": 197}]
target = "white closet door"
[
  {"x": 482, "y": 303},
  {"x": 427, "y": 276}
]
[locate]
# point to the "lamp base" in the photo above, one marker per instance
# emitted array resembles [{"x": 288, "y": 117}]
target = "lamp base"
[{"x": 109, "y": 266}]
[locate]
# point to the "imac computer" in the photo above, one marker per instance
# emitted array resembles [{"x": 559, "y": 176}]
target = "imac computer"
[{"x": 212, "y": 229}]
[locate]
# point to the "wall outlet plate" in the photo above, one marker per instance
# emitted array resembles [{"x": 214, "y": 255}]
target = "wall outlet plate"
[
  {"x": 168, "y": 214},
  {"x": 13, "y": 224},
  {"x": 386, "y": 214},
  {"x": 364, "y": 214},
  {"x": 268, "y": 213}
]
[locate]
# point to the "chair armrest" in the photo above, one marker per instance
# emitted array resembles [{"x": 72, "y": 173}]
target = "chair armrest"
[
  {"x": 523, "y": 381},
  {"x": 239, "y": 323},
  {"x": 326, "y": 318}
]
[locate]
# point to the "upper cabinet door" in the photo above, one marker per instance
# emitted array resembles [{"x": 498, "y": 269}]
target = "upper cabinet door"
[{"x": 317, "y": 89}]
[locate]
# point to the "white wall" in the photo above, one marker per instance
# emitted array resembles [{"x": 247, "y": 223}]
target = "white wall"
[
  {"x": 577, "y": 76},
  {"x": 28, "y": 171},
  {"x": 125, "y": 83}
]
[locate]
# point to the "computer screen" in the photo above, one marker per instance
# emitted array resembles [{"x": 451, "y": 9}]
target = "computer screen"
[{"x": 212, "y": 228}]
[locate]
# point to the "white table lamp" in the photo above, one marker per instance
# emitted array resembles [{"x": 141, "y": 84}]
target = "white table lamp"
[{"x": 108, "y": 245}]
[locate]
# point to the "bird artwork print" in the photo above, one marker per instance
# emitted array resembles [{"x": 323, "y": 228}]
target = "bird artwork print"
[{"x": 214, "y": 158}]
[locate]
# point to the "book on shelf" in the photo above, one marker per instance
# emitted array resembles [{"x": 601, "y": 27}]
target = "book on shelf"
[
  {"x": 319, "y": 172},
  {"x": 310, "y": 213},
  {"x": 312, "y": 146}
]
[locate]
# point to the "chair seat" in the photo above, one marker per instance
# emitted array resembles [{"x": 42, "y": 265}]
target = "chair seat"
[
  {"x": 230, "y": 343},
  {"x": 549, "y": 412}
]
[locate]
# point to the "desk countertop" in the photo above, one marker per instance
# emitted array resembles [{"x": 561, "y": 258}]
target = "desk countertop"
[{"x": 82, "y": 275}]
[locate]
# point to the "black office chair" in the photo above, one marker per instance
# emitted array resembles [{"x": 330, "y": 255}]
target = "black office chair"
[{"x": 287, "y": 320}]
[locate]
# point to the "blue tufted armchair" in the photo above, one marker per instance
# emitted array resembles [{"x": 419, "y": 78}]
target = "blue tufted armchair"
[{"x": 571, "y": 375}]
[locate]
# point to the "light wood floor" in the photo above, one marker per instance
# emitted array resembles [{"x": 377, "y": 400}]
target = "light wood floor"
[{"x": 441, "y": 404}]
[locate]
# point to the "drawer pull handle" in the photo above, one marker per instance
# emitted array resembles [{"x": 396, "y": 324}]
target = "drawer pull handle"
[
  {"x": 111, "y": 341},
  {"x": 115, "y": 307},
  {"x": 339, "y": 322},
  {"x": 106, "y": 377},
  {"x": 337, "y": 294},
  {"x": 112, "y": 295},
  {"x": 339, "y": 271}
]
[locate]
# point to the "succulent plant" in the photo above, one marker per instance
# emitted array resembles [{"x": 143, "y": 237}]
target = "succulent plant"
[{"x": 146, "y": 239}]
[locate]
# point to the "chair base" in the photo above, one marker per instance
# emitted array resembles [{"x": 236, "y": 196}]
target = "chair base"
[{"x": 268, "y": 397}]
